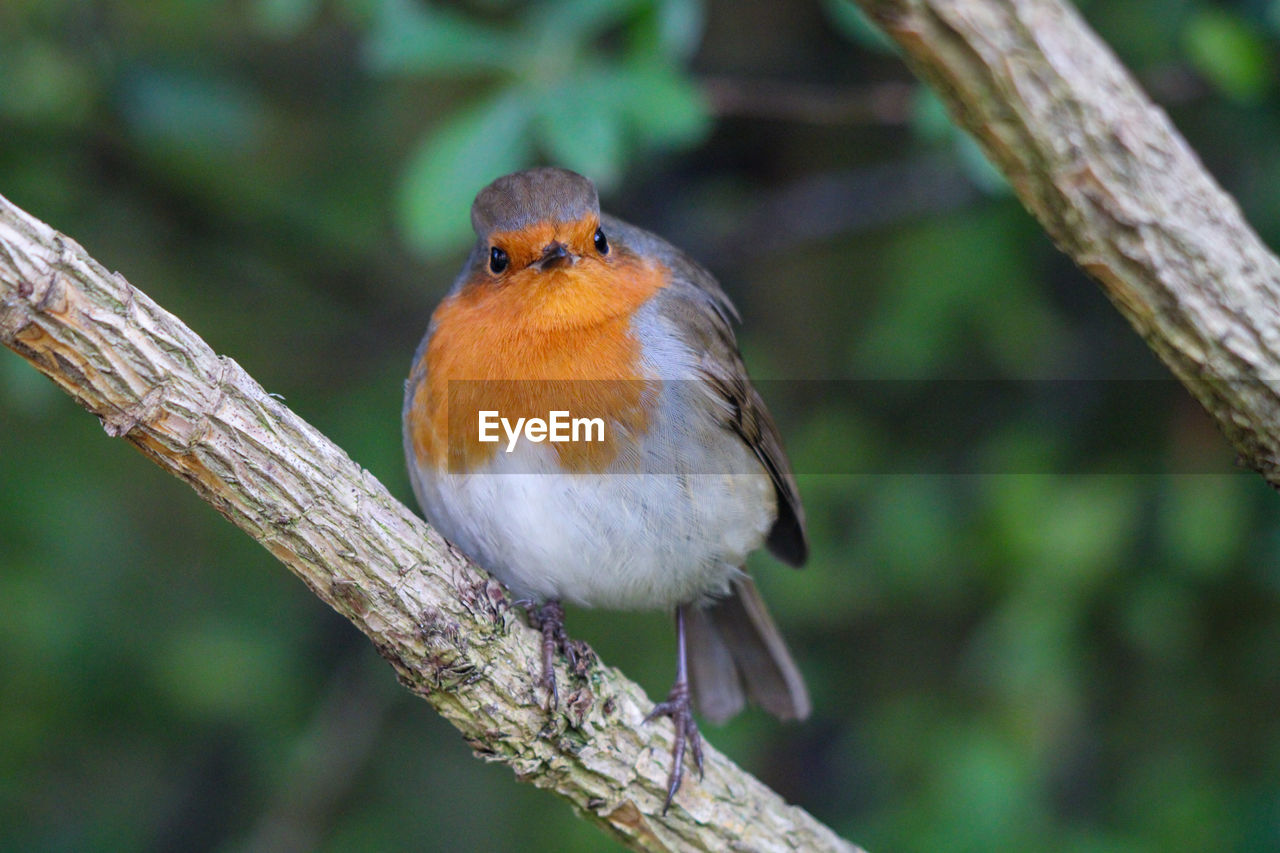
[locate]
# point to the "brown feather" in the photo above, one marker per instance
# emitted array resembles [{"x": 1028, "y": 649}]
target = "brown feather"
[{"x": 735, "y": 648}]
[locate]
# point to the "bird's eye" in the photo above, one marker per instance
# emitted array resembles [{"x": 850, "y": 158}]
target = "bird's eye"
[
  {"x": 602, "y": 244},
  {"x": 498, "y": 260}
]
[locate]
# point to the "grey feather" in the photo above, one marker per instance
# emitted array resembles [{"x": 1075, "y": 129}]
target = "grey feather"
[
  {"x": 759, "y": 665},
  {"x": 534, "y": 195}
]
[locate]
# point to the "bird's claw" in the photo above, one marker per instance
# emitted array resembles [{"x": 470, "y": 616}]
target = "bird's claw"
[
  {"x": 680, "y": 709},
  {"x": 548, "y": 682},
  {"x": 549, "y": 619}
]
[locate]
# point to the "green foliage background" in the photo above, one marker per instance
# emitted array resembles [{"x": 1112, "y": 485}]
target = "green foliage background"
[{"x": 1043, "y": 610}]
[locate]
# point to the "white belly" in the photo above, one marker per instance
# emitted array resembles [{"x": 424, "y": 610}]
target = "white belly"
[{"x": 622, "y": 541}]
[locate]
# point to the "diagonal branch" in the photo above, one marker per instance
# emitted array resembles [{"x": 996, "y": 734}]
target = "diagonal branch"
[
  {"x": 1117, "y": 189},
  {"x": 444, "y": 626}
]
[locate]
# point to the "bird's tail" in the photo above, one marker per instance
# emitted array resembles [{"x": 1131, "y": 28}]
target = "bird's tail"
[{"x": 736, "y": 653}]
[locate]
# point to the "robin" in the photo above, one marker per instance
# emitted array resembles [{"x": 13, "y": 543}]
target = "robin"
[{"x": 563, "y": 317}]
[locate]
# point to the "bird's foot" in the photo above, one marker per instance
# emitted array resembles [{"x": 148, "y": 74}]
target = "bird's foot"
[
  {"x": 679, "y": 708},
  {"x": 549, "y": 619}
]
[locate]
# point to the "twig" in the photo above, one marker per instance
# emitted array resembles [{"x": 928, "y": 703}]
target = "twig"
[{"x": 887, "y": 103}]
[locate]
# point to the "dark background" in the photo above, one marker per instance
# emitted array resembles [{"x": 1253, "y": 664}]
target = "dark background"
[{"x": 1043, "y": 608}]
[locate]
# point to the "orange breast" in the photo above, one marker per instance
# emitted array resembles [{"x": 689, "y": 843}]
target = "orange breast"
[{"x": 537, "y": 342}]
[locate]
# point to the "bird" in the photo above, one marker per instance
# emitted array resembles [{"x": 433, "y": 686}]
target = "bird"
[{"x": 677, "y": 475}]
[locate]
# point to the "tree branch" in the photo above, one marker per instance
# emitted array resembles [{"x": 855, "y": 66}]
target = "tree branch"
[
  {"x": 445, "y": 626},
  {"x": 880, "y": 103},
  {"x": 1117, "y": 189}
]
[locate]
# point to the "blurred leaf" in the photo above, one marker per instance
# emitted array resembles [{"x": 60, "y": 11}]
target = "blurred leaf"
[
  {"x": 665, "y": 108},
  {"x": 1202, "y": 521},
  {"x": 564, "y": 23},
  {"x": 454, "y": 163},
  {"x": 978, "y": 770},
  {"x": 584, "y": 134},
  {"x": 191, "y": 114},
  {"x": 670, "y": 28},
  {"x": 1230, "y": 53},
  {"x": 585, "y": 113},
  {"x": 908, "y": 527},
  {"x": 35, "y": 621},
  {"x": 1160, "y": 619},
  {"x": 1074, "y": 526},
  {"x": 283, "y": 18},
  {"x": 220, "y": 669},
  {"x": 1169, "y": 795},
  {"x": 1022, "y": 447},
  {"x": 587, "y": 123},
  {"x": 413, "y": 38},
  {"x": 40, "y": 83},
  {"x": 1023, "y": 652},
  {"x": 363, "y": 11},
  {"x": 680, "y": 27},
  {"x": 1144, "y": 32},
  {"x": 834, "y": 438},
  {"x": 852, "y": 22},
  {"x": 949, "y": 277}
]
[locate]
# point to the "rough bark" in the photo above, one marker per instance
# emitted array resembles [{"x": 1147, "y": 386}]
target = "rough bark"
[
  {"x": 447, "y": 629},
  {"x": 1119, "y": 191}
]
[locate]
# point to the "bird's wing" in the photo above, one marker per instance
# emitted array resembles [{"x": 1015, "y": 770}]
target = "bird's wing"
[{"x": 694, "y": 301}]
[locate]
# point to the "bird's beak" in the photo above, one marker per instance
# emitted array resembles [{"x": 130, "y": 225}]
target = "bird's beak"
[{"x": 556, "y": 254}]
